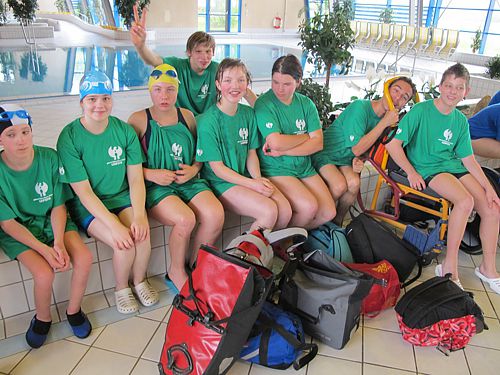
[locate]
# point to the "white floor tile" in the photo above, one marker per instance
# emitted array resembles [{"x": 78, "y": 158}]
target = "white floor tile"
[
  {"x": 88, "y": 340},
  {"x": 469, "y": 280},
  {"x": 379, "y": 370},
  {"x": 239, "y": 368},
  {"x": 481, "y": 298},
  {"x": 394, "y": 352},
  {"x": 465, "y": 260},
  {"x": 8, "y": 363},
  {"x": 261, "y": 370},
  {"x": 322, "y": 365},
  {"x": 353, "y": 350},
  {"x": 155, "y": 346},
  {"x": 483, "y": 361},
  {"x": 59, "y": 357},
  {"x": 19, "y": 324},
  {"x": 495, "y": 301},
  {"x": 432, "y": 361},
  {"x": 128, "y": 336},
  {"x": 98, "y": 361},
  {"x": 488, "y": 338},
  {"x": 386, "y": 321},
  {"x": 144, "y": 367},
  {"x": 156, "y": 314}
]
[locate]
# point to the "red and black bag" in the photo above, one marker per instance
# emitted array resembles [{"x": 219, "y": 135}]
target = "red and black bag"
[
  {"x": 212, "y": 315},
  {"x": 439, "y": 313},
  {"x": 385, "y": 290}
]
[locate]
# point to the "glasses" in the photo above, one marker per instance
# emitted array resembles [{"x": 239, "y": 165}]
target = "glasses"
[
  {"x": 9, "y": 115},
  {"x": 156, "y": 74}
]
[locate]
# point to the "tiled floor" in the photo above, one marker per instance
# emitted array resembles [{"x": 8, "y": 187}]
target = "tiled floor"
[{"x": 133, "y": 345}]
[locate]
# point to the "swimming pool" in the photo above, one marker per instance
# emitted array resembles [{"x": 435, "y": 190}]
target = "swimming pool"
[{"x": 58, "y": 71}]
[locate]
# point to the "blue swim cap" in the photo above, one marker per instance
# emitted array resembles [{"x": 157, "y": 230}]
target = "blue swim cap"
[
  {"x": 12, "y": 114},
  {"x": 95, "y": 83}
]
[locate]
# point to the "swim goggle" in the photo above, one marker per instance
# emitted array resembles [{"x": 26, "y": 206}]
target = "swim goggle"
[
  {"x": 9, "y": 115},
  {"x": 157, "y": 73}
]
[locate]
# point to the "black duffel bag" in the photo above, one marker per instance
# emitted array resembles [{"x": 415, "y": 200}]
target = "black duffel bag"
[{"x": 371, "y": 242}]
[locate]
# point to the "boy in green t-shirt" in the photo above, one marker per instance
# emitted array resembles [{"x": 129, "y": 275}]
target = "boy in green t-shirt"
[
  {"x": 34, "y": 226},
  {"x": 350, "y": 136},
  {"x": 197, "y": 90},
  {"x": 439, "y": 155}
]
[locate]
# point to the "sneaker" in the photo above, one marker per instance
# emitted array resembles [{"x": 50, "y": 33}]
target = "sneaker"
[
  {"x": 34, "y": 339},
  {"x": 82, "y": 330},
  {"x": 493, "y": 283}
]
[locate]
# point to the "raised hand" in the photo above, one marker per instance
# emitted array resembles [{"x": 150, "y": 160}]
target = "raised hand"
[{"x": 138, "y": 30}]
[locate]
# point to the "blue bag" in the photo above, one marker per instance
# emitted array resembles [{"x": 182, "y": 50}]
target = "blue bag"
[
  {"x": 277, "y": 340},
  {"x": 330, "y": 239}
]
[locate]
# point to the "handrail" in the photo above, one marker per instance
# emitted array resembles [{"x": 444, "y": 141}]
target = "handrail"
[
  {"x": 395, "y": 41},
  {"x": 403, "y": 55},
  {"x": 30, "y": 39}
]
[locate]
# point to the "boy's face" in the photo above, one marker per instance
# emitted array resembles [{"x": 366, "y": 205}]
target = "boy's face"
[
  {"x": 401, "y": 92},
  {"x": 453, "y": 90},
  {"x": 200, "y": 57},
  {"x": 17, "y": 140}
]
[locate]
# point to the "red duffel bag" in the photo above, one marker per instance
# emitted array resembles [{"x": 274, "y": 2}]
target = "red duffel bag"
[
  {"x": 384, "y": 292},
  {"x": 212, "y": 315}
]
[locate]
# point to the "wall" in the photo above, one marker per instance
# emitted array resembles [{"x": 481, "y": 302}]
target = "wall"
[
  {"x": 173, "y": 14},
  {"x": 257, "y": 15},
  {"x": 47, "y": 6}
]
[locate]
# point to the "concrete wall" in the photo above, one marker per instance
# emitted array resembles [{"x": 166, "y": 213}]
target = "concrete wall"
[{"x": 47, "y": 6}]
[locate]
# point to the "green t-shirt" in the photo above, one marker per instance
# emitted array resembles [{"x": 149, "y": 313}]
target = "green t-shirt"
[
  {"x": 435, "y": 142},
  {"x": 100, "y": 158},
  {"x": 226, "y": 138},
  {"x": 300, "y": 117},
  {"x": 354, "y": 123},
  {"x": 196, "y": 92},
  {"x": 29, "y": 196}
]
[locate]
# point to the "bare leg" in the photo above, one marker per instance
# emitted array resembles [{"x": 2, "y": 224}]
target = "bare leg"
[
  {"x": 347, "y": 199},
  {"x": 284, "y": 209},
  {"x": 210, "y": 215},
  {"x": 450, "y": 188},
  {"x": 43, "y": 277},
  {"x": 174, "y": 212},
  {"x": 81, "y": 259},
  {"x": 488, "y": 229},
  {"x": 326, "y": 205},
  {"x": 243, "y": 201}
]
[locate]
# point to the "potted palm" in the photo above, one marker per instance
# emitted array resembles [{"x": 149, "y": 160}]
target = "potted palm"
[
  {"x": 126, "y": 9},
  {"x": 23, "y": 10}
]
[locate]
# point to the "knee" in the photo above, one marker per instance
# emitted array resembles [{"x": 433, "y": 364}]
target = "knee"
[
  {"x": 353, "y": 184},
  {"x": 186, "y": 223},
  {"x": 83, "y": 261},
  {"x": 216, "y": 218},
  {"x": 269, "y": 214},
  {"x": 338, "y": 189},
  {"x": 326, "y": 213},
  {"x": 308, "y": 208},
  {"x": 44, "y": 276},
  {"x": 465, "y": 204}
]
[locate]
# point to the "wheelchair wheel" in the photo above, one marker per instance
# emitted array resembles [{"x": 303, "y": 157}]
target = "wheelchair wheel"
[{"x": 471, "y": 243}]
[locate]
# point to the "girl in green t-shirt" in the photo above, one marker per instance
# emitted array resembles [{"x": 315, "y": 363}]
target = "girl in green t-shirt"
[
  {"x": 175, "y": 195},
  {"x": 289, "y": 126},
  {"x": 34, "y": 226},
  {"x": 227, "y": 142},
  {"x": 102, "y": 158}
]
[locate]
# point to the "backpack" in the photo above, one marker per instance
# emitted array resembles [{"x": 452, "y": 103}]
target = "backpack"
[
  {"x": 385, "y": 290},
  {"x": 371, "y": 242},
  {"x": 439, "y": 313},
  {"x": 277, "y": 340},
  {"x": 331, "y": 239}
]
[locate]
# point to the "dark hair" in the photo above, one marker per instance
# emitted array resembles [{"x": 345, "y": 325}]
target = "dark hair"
[
  {"x": 290, "y": 65},
  {"x": 200, "y": 37},
  {"x": 229, "y": 63},
  {"x": 457, "y": 70},
  {"x": 408, "y": 81}
]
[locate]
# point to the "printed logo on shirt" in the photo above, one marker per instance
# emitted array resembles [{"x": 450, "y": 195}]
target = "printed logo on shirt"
[
  {"x": 41, "y": 189},
  {"x": 399, "y": 131},
  {"x": 203, "y": 91},
  {"x": 115, "y": 152},
  {"x": 177, "y": 152},
  {"x": 199, "y": 152},
  {"x": 61, "y": 171},
  {"x": 244, "y": 136},
  {"x": 351, "y": 138},
  {"x": 448, "y": 135},
  {"x": 269, "y": 125},
  {"x": 301, "y": 125}
]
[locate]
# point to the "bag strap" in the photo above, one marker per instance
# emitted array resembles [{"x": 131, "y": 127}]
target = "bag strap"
[
  {"x": 419, "y": 312},
  {"x": 253, "y": 239},
  {"x": 269, "y": 323},
  {"x": 299, "y": 235}
]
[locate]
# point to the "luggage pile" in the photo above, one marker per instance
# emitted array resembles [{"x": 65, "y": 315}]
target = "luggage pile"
[{"x": 234, "y": 307}]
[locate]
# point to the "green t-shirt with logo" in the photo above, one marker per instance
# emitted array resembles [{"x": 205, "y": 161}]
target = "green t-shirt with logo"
[
  {"x": 354, "y": 123},
  {"x": 225, "y": 138},
  {"x": 29, "y": 196},
  {"x": 435, "y": 142},
  {"x": 100, "y": 158},
  {"x": 196, "y": 92},
  {"x": 299, "y": 117}
]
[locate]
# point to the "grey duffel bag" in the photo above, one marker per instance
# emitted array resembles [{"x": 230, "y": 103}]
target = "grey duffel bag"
[{"x": 326, "y": 295}]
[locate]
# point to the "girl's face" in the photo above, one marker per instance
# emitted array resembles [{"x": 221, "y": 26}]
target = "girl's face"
[
  {"x": 163, "y": 95},
  {"x": 284, "y": 86},
  {"x": 233, "y": 84},
  {"x": 97, "y": 107},
  {"x": 17, "y": 140}
]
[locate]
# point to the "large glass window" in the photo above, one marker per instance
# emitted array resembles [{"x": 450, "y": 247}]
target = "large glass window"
[{"x": 219, "y": 15}]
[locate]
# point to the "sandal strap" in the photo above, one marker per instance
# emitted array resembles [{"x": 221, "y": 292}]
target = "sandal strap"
[
  {"x": 125, "y": 300},
  {"x": 146, "y": 294}
]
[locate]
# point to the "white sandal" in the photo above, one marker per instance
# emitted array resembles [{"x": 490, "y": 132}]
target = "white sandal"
[
  {"x": 146, "y": 294},
  {"x": 494, "y": 284},
  {"x": 125, "y": 301}
]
